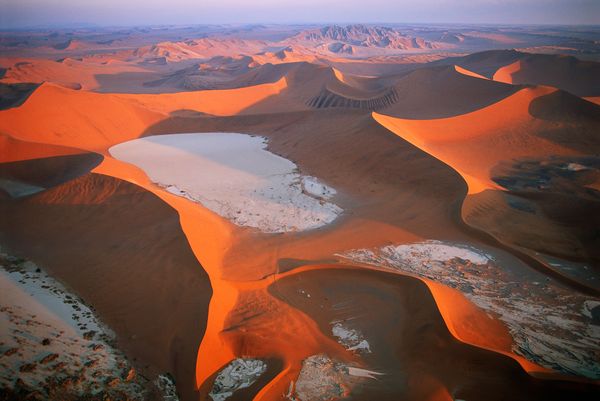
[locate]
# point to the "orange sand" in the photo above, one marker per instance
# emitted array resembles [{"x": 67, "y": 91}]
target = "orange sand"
[
  {"x": 473, "y": 143},
  {"x": 504, "y": 74},
  {"x": 93, "y": 121},
  {"x": 470, "y": 143}
]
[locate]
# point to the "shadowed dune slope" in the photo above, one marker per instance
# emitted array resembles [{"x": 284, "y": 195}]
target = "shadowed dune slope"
[
  {"x": 568, "y": 121},
  {"x": 154, "y": 297},
  {"x": 13, "y": 95},
  {"x": 431, "y": 92},
  {"x": 304, "y": 82},
  {"x": 410, "y": 342},
  {"x": 485, "y": 63},
  {"x": 536, "y": 124},
  {"x": 473, "y": 143},
  {"x": 48, "y": 172},
  {"x": 565, "y": 72},
  {"x": 443, "y": 92},
  {"x": 12, "y": 150}
]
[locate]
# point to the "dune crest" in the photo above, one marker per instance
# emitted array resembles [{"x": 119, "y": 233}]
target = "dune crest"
[
  {"x": 568, "y": 73},
  {"x": 475, "y": 142},
  {"x": 505, "y": 74},
  {"x": 464, "y": 71},
  {"x": 60, "y": 116}
]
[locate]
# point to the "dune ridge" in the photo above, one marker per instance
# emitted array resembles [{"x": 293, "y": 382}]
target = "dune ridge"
[
  {"x": 66, "y": 117},
  {"x": 564, "y": 72},
  {"x": 243, "y": 311},
  {"x": 516, "y": 128},
  {"x": 446, "y": 138}
]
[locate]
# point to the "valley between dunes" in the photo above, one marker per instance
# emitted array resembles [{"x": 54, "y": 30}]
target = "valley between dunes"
[{"x": 439, "y": 153}]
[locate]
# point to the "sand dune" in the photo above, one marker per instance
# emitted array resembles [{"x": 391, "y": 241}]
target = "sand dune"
[
  {"x": 202, "y": 48},
  {"x": 471, "y": 271},
  {"x": 12, "y": 150},
  {"x": 43, "y": 119},
  {"x": 533, "y": 124},
  {"x": 426, "y": 374},
  {"x": 68, "y": 72},
  {"x": 67, "y": 117},
  {"x": 447, "y": 138},
  {"x": 222, "y": 341},
  {"x": 71, "y": 44},
  {"x": 564, "y": 72},
  {"x": 284, "y": 145},
  {"x": 593, "y": 99},
  {"x": 289, "y": 54},
  {"x": 13, "y": 95},
  {"x": 444, "y": 91},
  {"x": 424, "y": 93},
  {"x": 228, "y": 295},
  {"x": 485, "y": 63},
  {"x": 167, "y": 279},
  {"x": 44, "y": 172},
  {"x": 268, "y": 313}
]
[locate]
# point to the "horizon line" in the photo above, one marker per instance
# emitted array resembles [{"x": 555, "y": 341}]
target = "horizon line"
[{"x": 84, "y": 25}]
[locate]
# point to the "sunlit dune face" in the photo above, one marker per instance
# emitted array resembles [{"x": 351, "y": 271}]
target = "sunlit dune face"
[
  {"x": 504, "y": 74},
  {"x": 473, "y": 143},
  {"x": 92, "y": 121},
  {"x": 593, "y": 99},
  {"x": 464, "y": 71}
]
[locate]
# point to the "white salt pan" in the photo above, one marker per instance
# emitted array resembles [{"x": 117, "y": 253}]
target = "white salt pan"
[
  {"x": 324, "y": 379},
  {"x": 351, "y": 339},
  {"x": 234, "y": 176},
  {"x": 550, "y": 325},
  {"x": 240, "y": 373}
]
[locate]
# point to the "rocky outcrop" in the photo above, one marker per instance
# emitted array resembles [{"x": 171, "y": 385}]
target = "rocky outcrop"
[{"x": 365, "y": 36}]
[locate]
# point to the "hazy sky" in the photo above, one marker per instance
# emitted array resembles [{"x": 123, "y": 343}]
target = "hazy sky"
[{"x": 24, "y": 13}]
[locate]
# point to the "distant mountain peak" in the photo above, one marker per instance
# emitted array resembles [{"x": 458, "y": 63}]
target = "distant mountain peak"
[{"x": 365, "y": 36}]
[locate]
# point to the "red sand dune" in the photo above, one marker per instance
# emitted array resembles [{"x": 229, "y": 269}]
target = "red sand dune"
[
  {"x": 61, "y": 116},
  {"x": 444, "y": 91},
  {"x": 485, "y": 63},
  {"x": 209, "y": 236},
  {"x": 564, "y": 72},
  {"x": 475, "y": 142},
  {"x": 108, "y": 224},
  {"x": 397, "y": 194},
  {"x": 533, "y": 124},
  {"x": 593, "y": 99},
  {"x": 67, "y": 72},
  {"x": 15, "y": 150}
]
